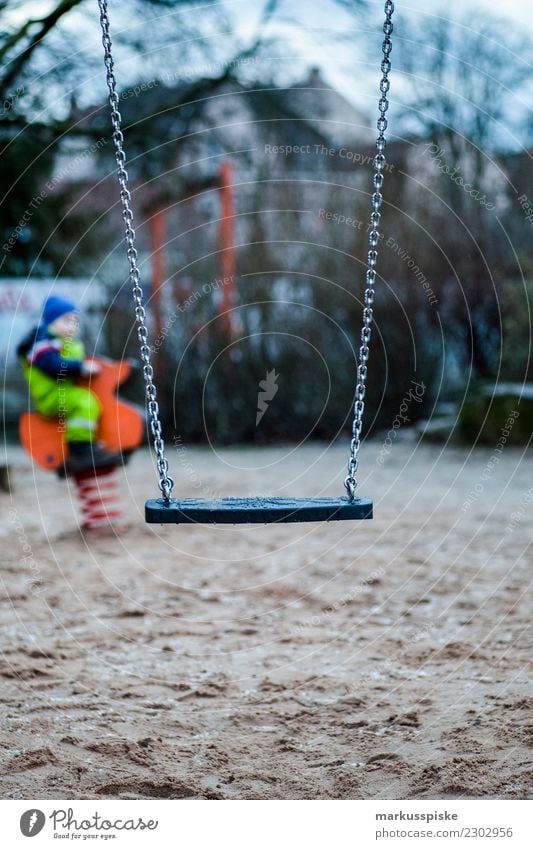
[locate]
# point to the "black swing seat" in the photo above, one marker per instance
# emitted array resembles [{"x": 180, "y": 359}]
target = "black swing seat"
[{"x": 243, "y": 511}]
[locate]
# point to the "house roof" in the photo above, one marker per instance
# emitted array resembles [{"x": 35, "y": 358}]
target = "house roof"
[{"x": 316, "y": 110}]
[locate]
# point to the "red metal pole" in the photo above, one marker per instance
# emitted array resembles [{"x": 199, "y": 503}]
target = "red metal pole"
[{"x": 227, "y": 248}]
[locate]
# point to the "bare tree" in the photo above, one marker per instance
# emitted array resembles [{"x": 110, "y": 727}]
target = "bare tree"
[{"x": 465, "y": 80}]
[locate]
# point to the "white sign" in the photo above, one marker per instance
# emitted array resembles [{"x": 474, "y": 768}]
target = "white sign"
[{"x": 21, "y": 302}]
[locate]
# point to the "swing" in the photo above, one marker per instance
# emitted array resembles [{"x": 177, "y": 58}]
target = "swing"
[{"x": 169, "y": 510}]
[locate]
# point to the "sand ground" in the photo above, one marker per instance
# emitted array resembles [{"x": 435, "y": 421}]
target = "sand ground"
[{"x": 383, "y": 659}]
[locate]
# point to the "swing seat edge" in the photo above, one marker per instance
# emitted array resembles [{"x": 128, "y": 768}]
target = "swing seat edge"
[{"x": 255, "y": 510}]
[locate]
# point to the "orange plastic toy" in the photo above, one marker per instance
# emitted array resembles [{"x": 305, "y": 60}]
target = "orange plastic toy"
[{"x": 121, "y": 426}]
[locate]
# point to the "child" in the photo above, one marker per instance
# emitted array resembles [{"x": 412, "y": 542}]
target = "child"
[{"x": 52, "y": 359}]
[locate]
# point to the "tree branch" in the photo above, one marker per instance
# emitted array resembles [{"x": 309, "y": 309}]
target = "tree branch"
[{"x": 16, "y": 66}]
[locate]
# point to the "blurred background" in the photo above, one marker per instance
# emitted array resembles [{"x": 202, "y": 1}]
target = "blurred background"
[{"x": 250, "y": 133}]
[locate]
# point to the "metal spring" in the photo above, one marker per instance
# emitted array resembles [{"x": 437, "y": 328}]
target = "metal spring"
[{"x": 99, "y": 498}]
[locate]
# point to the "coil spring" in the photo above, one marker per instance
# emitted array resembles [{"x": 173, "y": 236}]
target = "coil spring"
[{"x": 99, "y": 498}]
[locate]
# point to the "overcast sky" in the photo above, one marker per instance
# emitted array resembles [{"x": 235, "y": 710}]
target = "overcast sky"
[
  {"x": 345, "y": 45},
  {"x": 319, "y": 32},
  {"x": 309, "y": 24}
]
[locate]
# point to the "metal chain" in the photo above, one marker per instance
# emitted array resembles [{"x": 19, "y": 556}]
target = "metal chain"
[
  {"x": 350, "y": 481},
  {"x": 165, "y": 481}
]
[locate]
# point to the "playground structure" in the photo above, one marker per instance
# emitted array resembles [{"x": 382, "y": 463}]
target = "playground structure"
[
  {"x": 121, "y": 426},
  {"x": 245, "y": 510},
  {"x": 120, "y": 430},
  {"x": 227, "y": 256}
]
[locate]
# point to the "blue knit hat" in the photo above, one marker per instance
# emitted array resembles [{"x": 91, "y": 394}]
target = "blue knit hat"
[{"x": 54, "y": 307}]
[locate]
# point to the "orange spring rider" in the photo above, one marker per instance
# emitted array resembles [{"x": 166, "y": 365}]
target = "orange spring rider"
[{"x": 121, "y": 429}]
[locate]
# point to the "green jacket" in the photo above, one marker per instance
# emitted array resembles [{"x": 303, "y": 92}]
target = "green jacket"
[{"x": 51, "y": 365}]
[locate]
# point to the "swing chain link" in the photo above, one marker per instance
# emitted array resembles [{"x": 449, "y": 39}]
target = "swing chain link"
[
  {"x": 165, "y": 481},
  {"x": 350, "y": 481}
]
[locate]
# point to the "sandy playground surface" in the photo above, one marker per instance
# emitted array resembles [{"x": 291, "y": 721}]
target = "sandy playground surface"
[{"x": 383, "y": 659}]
